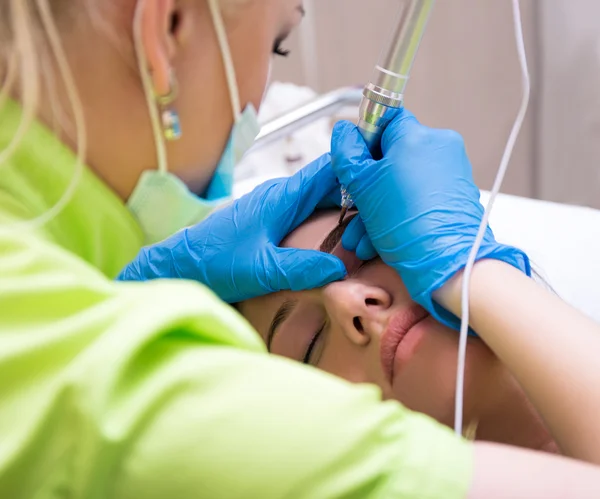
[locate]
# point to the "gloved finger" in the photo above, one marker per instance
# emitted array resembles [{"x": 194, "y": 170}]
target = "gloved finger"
[
  {"x": 403, "y": 124},
  {"x": 350, "y": 156},
  {"x": 301, "y": 194},
  {"x": 365, "y": 250},
  {"x": 333, "y": 199},
  {"x": 306, "y": 269},
  {"x": 353, "y": 234},
  {"x": 356, "y": 239}
]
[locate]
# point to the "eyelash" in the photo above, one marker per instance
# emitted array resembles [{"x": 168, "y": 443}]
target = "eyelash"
[
  {"x": 313, "y": 343},
  {"x": 277, "y": 50}
]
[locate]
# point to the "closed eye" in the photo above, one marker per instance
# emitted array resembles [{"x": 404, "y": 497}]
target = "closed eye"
[{"x": 311, "y": 347}]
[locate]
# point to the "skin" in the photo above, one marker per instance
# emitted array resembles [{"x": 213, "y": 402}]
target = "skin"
[
  {"x": 355, "y": 313},
  {"x": 541, "y": 331},
  {"x": 178, "y": 36},
  {"x": 120, "y": 147}
]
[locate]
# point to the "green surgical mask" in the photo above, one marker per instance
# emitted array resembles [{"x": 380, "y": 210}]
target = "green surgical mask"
[{"x": 161, "y": 202}]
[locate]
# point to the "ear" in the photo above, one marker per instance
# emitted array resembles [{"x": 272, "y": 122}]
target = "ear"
[{"x": 159, "y": 26}]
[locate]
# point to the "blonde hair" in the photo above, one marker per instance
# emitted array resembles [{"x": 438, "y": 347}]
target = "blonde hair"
[
  {"x": 30, "y": 46},
  {"x": 29, "y": 40}
]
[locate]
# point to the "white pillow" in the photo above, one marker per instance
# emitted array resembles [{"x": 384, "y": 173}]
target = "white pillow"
[{"x": 562, "y": 241}]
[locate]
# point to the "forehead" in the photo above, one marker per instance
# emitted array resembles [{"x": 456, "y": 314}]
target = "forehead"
[
  {"x": 312, "y": 232},
  {"x": 260, "y": 311}
]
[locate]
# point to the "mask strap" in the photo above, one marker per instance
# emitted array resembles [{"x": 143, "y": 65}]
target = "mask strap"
[
  {"x": 234, "y": 94},
  {"x": 159, "y": 141}
]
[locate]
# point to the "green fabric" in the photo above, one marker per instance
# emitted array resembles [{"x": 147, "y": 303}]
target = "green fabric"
[
  {"x": 95, "y": 225},
  {"x": 158, "y": 389}
]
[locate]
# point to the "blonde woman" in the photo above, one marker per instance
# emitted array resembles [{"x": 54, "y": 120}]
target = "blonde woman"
[{"x": 120, "y": 122}]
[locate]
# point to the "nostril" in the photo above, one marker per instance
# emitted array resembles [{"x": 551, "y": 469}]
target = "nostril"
[
  {"x": 358, "y": 325},
  {"x": 175, "y": 22},
  {"x": 371, "y": 301}
]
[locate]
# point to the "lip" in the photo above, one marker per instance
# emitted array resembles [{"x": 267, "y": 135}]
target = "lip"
[{"x": 396, "y": 330}]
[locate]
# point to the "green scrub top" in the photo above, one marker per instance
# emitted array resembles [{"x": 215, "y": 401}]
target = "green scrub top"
[{"x": 160, "y": 390}]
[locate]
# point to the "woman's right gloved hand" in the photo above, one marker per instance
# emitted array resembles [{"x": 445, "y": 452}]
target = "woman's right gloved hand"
[
  {"x": 236, "y": 252},
  {"x": 418, "y": 205}
]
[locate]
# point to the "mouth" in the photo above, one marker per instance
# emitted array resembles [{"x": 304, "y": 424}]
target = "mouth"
[{"x": 396, "y": 331}]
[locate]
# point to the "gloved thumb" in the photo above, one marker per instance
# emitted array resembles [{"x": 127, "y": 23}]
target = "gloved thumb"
[
  {"x": 300, "y": 269},
  {"x": 356, "y": 239},
  {"x": 350, "y": 156},
  {"x": 403, "y": 124}
]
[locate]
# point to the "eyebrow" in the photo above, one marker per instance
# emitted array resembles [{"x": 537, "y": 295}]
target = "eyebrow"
[
  {"x": 301, "y": 9},
  {"x": 283, "y": 312},
  {"x": 335, "y": 236}
]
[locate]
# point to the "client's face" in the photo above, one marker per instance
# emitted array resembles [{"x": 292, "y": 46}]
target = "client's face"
[{"x": 366, "y": 329}]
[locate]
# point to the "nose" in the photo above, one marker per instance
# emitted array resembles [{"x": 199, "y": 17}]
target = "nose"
[{"x": 358, "y": 309}]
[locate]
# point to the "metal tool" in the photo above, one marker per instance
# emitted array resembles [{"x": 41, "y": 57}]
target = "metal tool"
[{"x": 383, "y": 97}]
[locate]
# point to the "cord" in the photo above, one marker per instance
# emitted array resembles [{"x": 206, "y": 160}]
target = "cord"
[{"x": 464, "y": 325}]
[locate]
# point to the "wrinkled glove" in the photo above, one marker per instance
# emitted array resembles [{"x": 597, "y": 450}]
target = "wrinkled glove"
[
  {"x": 419, "y": 205},
  {"x": 235, "y": 250}
]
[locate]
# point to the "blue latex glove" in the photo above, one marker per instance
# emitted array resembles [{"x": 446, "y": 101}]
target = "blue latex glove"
[
  {"x": 418, "y": 205},
  {"x": 235, "y": 250}
]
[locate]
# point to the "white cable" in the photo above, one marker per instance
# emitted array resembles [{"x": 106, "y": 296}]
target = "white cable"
[
  {"x": 464, "y": 325},
  {"x": 148, "y": 87},
  {"x": 230, "y": 75}
]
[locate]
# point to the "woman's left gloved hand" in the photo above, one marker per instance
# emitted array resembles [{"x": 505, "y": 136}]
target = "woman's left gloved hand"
[
  {"x": 235, "y": 250},
  {"x": 419, "y": 206}
]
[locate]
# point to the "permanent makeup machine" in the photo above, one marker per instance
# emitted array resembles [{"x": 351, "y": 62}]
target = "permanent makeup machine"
[{"x": 383, "y": 96}]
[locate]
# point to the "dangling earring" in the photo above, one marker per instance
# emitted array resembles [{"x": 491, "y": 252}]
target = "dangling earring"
[{"x": 169, "y": 116}]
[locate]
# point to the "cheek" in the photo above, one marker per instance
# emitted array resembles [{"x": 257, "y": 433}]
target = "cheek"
[
  {"x": 204, "y": 110},
  {"x": 427, "y": 383},
  {"x": 343, "y": 359},
  {"x": 252, "y": 53},
  {"x": 204, "y": 102},
  {"x": 357, "y": 364}
]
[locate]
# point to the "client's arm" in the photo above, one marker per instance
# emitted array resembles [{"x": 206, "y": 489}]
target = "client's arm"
[
  {"x": 502, "y": 472},
  {"x": 551, "y": 348}
]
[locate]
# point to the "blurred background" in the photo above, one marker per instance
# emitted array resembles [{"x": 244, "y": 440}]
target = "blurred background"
[{"x": 467, "y": 78}]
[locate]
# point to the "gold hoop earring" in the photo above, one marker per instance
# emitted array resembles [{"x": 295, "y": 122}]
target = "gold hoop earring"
[{"x": 169, "y": 116}]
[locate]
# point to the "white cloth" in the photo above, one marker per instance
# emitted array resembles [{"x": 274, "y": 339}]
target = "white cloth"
[{"x": 562, "y": 241}]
